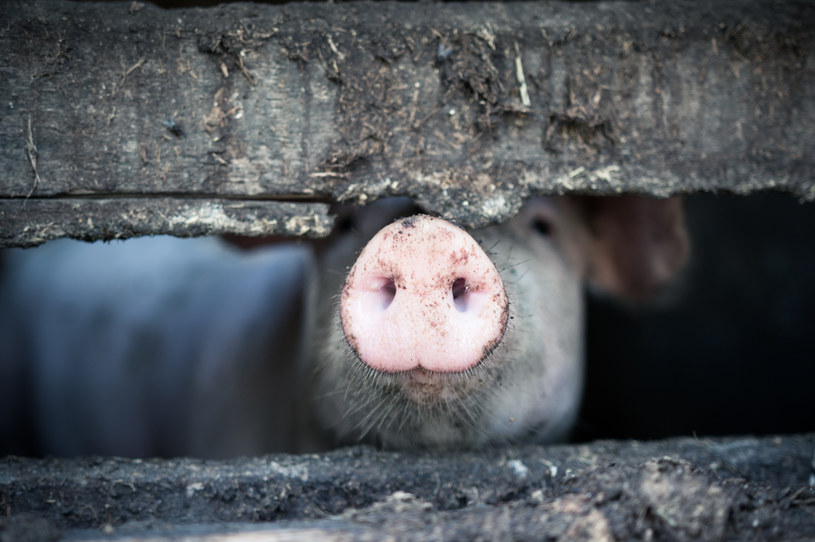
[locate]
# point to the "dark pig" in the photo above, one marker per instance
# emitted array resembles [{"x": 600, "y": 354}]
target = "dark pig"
[
  {"x": 436, "y": 338},
  {"x": 444, "y": 339}
]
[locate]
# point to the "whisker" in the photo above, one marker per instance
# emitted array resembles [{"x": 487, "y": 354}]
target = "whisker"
[{"x": 371, "y": 412}]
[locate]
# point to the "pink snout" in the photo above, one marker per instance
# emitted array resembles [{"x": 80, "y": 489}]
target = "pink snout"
[{"x": 423, "y": 294}]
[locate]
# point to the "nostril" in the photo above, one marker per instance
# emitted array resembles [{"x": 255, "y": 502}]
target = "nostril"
[
  {"x": 387, "y": 292},
  {"x": 460, "y": 291}
]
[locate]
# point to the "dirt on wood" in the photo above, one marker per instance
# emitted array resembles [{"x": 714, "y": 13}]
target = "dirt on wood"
[{"x": 678, "y": 489}]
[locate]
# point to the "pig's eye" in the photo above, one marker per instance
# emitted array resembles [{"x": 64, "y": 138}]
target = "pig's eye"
[
  {"x": 540, "y": 217},
  {"x": 345, "y": 223},
  {"x": 541, "y": 226}
]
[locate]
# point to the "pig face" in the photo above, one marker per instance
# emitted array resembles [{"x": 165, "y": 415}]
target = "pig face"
[{"x": 440, "y": 338}]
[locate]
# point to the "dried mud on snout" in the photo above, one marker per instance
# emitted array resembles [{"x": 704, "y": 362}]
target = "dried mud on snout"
[{"x": 680, "y": 489}]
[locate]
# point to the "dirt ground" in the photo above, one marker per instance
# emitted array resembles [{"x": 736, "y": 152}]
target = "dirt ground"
[{"x": 678, "y": 489}]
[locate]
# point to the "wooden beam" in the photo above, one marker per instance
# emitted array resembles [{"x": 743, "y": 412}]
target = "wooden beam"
[
  {"x": 30, "y": 222},
  {"x": 469, "y": 109},
  {"x": 688, "y": 485}
]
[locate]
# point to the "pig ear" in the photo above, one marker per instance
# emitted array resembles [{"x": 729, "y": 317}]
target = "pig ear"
[{"x": 636, "y": 243}]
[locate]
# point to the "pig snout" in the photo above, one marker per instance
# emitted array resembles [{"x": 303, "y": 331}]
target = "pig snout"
[{"x": 423, "y": 294}]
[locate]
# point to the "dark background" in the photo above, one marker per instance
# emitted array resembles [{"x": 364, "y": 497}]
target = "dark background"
[{"x": 729, "y": 349}]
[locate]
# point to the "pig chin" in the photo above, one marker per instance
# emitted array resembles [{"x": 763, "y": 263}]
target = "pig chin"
[
  {"x": 423, "y": 409},
  {"x": 424, "y": 387}
]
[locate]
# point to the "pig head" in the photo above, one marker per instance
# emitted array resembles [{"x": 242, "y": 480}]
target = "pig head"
[{"x": 439, "y": 338}]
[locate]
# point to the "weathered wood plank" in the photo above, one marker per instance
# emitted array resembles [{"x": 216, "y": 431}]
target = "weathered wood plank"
[
  {"x": 467, "y": 108},
  {"x": 30, "y": 222},
  {"x": 679, "y": 489}
]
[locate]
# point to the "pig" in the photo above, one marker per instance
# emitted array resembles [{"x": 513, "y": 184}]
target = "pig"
[
  {"x": 150, "y": 347},
  {"x": 401, "y": 330},
  {"x": 444, "y": 339}
]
